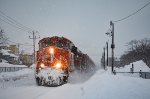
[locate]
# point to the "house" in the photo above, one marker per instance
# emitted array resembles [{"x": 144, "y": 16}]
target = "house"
[
  {"x": 13, "y": 49},
  {"x": 5, "y": 55},
  {"x": 3, "y": 47},
  {"x": 11, "y": 55}
]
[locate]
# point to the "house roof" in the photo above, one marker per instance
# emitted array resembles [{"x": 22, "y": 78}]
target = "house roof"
[{"x": 5, "y": 52}]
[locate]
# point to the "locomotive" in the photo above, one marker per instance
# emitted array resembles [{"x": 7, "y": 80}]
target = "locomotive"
[{"x": 56, "y": 58}]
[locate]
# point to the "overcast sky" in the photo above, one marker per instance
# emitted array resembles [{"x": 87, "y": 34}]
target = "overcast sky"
[{"x": 84, "y": 22}]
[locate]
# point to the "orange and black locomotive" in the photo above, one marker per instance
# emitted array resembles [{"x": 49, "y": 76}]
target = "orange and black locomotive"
[{"x": 56, "y": 58}]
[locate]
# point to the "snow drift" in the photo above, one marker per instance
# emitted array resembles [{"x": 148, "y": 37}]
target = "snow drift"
[{"x": 139, "y": 65}]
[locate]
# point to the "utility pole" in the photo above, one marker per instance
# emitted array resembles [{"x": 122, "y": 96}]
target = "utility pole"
[
  {"x": 107, "y": 52},
  {"x": 18, "y": 54},
  {"x": 112, "y": 45},
  {"x": 104, "y": 58},
  {"x": 34, "y": 39},
  {"x": 132, "y": 59}
]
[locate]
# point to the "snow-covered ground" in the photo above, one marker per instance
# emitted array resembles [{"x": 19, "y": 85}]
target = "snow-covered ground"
[
  {"x": 102, "y": 85},
  {"x": 4, "y": 64}
]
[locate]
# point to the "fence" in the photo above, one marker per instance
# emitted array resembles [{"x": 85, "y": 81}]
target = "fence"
[
  {"x": 145, "y": 75},
  {"x": 10, "y": 69}
]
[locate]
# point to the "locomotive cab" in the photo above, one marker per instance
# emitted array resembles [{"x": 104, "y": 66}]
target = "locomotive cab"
[{"x": 53, "y": 61}]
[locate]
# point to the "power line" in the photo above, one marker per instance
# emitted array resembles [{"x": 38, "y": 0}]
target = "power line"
[
  {"x": 14, "y": 22},
  {"x": 20, "y": 43},
  {"x": 7, "y": 19},
  {"x": 27, "y": 48},
  {"x": 13, "y": 25},
  {"x": 133, "y": 13}
]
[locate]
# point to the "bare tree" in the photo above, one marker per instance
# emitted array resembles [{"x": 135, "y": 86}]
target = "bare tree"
[
  {"x": 137, "y": 50},
  {"x": 3, "y": 38}
]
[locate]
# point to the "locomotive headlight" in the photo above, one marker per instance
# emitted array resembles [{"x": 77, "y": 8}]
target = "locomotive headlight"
[
  {"x": 51, "y": 50},
  {"x": 51, "y": 54},
  {"x": 42, "y": 65},
  {"x": 58, "y": 65}
]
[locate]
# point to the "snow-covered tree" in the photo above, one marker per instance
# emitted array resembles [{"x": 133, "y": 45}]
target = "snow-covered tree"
[{"x": 3, "y": 38}]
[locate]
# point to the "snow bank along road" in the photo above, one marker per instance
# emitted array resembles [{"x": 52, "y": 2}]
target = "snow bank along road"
[
  {"x": 102, "y": 85},
  {"x": 22, "y": 85}
]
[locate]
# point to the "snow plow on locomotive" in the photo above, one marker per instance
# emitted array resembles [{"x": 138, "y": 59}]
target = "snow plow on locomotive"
[{"x": 56, "y": 58}]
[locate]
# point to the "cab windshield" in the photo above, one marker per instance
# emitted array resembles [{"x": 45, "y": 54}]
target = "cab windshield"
[
  {"x": 57, "y": 44},
  {"x": 62, "y": 44}
]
